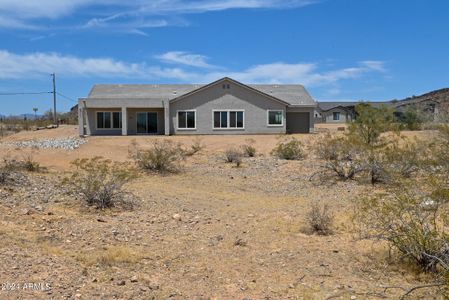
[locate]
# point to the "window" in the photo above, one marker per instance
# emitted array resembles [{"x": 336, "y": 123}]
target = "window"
[
  {"x": 275, "y": 118},
  {"x": 229, "y": 119},
  {"x": 336, "y": 115},
  {"x": 109, "y": 120},
  {"x": 187, "y": 119}
]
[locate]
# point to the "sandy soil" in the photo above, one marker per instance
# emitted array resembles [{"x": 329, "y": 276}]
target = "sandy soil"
[{"x": 239, "y": 234}]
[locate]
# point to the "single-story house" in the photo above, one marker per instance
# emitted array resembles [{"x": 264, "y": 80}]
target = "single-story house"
[
  {"x": 225, "y": 106},
  {"x": 339, "y": 112},
  {"x": 335, "y": 112}
]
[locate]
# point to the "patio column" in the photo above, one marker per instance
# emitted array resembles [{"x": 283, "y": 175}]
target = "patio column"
[
  {"x": 81, "y": 120},
  {"x": 167, "y": 116},
  {"x": 124, "y": 121}
]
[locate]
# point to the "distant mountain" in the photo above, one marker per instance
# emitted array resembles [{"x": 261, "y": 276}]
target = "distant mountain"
[
  {"x": 21, "y": 116},
  {"x": 440, "y": 96}
]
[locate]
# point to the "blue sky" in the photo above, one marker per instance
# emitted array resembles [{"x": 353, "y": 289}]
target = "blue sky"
[{"x": 339, "y": 49}]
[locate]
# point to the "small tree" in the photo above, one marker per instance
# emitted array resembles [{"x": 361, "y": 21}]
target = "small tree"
[
  {"x": 366, "y": 132},
  {"x": 370, "y": 123},
  {"x": 289, "y": 149},
  {"x": 100, "y": 181}
]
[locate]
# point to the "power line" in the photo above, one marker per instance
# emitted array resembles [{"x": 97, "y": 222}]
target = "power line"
[
  {"x": 67, "y": 97},
  {"x": 24, "y": 93}
]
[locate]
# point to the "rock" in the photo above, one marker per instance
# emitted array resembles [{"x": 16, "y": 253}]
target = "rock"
[
  {"x": 77, "y": 295},
  {"x": 240, "y": 242},
  {"x": 26, "y": 211},
  {"x": 353, "y": 297},
  {"x": 134, "y": 279},
  {"x": 153, "y": 286},
  {"x": 121, "y": 282},
  {"x": 177, "y": 217}
]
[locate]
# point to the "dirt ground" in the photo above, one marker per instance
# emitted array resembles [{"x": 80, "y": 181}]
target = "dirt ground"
[{"x": 213, "y": 231}]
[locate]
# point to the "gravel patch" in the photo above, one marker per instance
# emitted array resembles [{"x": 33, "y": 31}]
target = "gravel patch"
[{"x": 65, "y": 143}]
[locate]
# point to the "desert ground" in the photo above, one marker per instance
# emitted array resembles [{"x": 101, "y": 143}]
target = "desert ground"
[{"x": 212, "y": 231}]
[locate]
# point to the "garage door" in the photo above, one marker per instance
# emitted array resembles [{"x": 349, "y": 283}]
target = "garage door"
[{"x": 298, "y": 122}]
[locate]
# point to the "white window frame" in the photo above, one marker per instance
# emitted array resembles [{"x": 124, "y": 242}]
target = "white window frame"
[
  {"x": 112, "y": 120},
  {"x": 177, "y": 117},
  {"x": 268, "y": 118},
  {"x": 228, "y": 115},
  {"x": 333, "y": 116}
]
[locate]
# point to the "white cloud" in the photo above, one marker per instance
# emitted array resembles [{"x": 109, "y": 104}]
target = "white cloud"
[
  {"x": 130, "y": 14},
  {"x": 21, "y": 66},
  {"x": 185, "y": 58}
]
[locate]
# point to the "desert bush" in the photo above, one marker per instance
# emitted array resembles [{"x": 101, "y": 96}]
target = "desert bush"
[
  {"x": 29, "y": 164},
  {"x": 367, "y": 129},
  {"x": 10, "y": 168},
  {"x": 320, "y": 219},
  {"x": 100, "y": 182},
  {"x": 410, "y": 119},
  {"x": 196, "y": 147},
  {"x": 164, "y": 157},
  {"x": 341, "y": 158},
  {"x": 4, "y": 174},
  {"x": 248, "y": 148},
  {"x": 413, "y": 221},
  {"x": 233, "y": 155},
  {"x": 402, "y": 160},
  {"x": 289, "y": 149}
]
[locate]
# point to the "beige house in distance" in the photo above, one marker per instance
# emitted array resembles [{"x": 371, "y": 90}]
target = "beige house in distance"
[{"x": 225, "y": 106}]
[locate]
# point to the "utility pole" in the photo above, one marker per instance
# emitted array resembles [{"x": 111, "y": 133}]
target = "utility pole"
[{"x": 54, "y": 99}]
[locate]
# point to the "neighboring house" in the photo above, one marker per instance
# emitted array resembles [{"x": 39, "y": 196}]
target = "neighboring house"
[
  {"x": 225, "y": 106},
  {"x": 340, "y": 112},
  {"x": 335, "y": 112},
  {"x": 430, "y": 105}
]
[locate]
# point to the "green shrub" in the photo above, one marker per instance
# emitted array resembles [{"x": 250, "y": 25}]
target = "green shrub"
[
  {"x": 410, "y": 119},
  {"x": 340, "y": 156},
  {"x": 100, "y": 182},
  {"x": 248, "y": 148},
  {"x": 163, "y": 157},
  {"x": 289, "y": 149},
  {"x": 412, "y": 220}
]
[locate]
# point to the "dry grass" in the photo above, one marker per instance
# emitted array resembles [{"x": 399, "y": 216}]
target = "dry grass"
[{"x": 112, "y": 255}]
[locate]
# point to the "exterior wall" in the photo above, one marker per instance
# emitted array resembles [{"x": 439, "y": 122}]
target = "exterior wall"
[
  {"x": 310, "y": 110},
  {"x": 132, "y": 121},
  {"x": 91, "y": 121},
  {"x": 255, "y": 108},
  {"x": 328, "y": 116}
]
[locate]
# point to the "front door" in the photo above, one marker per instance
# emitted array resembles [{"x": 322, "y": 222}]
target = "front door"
[{"x": 146, "y": 122}]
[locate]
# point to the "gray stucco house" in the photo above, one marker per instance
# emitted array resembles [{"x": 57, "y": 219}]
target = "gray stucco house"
[
  {"x": 335, "y": 112},
  {"x": 225, "y": 106}
]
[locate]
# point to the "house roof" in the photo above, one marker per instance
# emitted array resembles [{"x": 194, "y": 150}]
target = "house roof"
[
  {"x": 325, "y": 106},
  {"x": 291, "y": 94}
]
